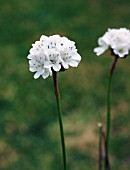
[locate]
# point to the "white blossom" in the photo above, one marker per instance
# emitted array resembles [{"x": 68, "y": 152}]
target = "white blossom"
[
  {"x": 116, "y": 39},
  {"x": 52, "y": 53}
]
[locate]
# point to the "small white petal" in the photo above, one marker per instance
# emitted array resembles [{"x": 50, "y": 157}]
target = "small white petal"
[
  {"x": 43, "y": 38},
  {"x": 47, "y": 73},
  {"x": 99, "y": 50},
  {"x": 41, "y": 71},
  {"x": 76, "y": 57},
  {"x": 65, "y": 65},
  {"x": 30, "y": 56},
  {"x": 73, "y": 63},
  {"x": 101, "y": 42},
  {"x": 121, "y": 52},
  {"x": 56, "y": 67},
  {"x": 48, "y": 64},
  {"x": 37, "y": 75},
  {"x": 32, "y": 69}
]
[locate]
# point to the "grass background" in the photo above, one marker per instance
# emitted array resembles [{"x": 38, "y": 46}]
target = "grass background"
[{"x": 29, "y": 132}]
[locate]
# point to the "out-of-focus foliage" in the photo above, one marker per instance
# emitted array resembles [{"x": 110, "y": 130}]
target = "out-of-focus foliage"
[{"x": 29, "y": 132}]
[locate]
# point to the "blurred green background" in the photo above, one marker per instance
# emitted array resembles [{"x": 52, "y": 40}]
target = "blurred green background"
[{"x": 29, "y": 131}]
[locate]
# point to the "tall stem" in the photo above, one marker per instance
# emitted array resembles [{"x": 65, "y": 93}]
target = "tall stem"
[
  {"x": 57, "y": 94},
  {"x": 109, "y": 110},
  {"x": 109, "y": 100}
]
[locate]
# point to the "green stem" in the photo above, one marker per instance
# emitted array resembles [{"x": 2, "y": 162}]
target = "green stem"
[
  {"x": 109, "y": 112},
  {"x": 57, "y": 94},
  {"x": 109, "y": 101}
]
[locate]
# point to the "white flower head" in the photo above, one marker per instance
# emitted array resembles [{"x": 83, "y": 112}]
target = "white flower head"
[
  {"x": 52, "y": 53},
  {"x": 116, "y": 39}
]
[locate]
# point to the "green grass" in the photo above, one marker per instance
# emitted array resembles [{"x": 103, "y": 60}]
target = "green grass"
[{"x": 29, "y": 133}]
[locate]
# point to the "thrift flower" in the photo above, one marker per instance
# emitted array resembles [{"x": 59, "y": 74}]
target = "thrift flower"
[
  {"x": 116, "y": 39},
  {"x": 52, "y": 53}
]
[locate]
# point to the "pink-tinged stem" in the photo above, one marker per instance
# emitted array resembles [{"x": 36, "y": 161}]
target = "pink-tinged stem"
[{"x": 57, "y": 94}]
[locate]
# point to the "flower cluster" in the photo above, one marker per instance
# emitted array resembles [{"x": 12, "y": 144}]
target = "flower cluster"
[
  {"x": 52, "y": 53},
  {"x": 116, "y": 39}
]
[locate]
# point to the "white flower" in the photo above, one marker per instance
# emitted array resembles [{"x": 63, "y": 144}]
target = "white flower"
[
  {"x": 53, "y": 52},
  {"x": 116, "y": 39}
]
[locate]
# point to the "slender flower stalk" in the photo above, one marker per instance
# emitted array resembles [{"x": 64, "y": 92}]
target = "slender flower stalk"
[
  {"x": 109, "y": 100},
  {"x": 57, "y": 94},
  {"x": 108, "y": 126}
]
